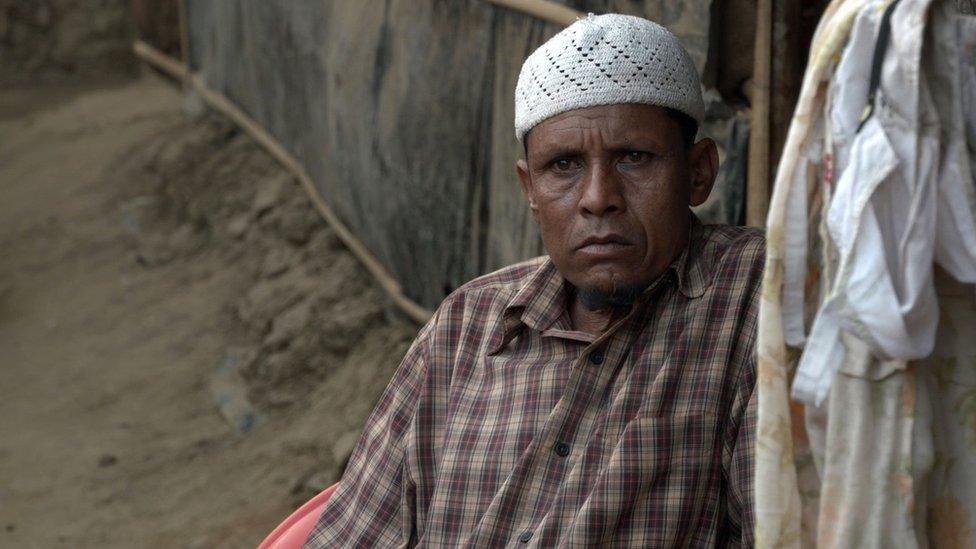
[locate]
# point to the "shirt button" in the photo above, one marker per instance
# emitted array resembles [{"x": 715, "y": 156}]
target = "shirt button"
[
  {"x": 596, "y": 356},
  {"x": 524, "y": 537},
  {"x": 562, "y": 449}
]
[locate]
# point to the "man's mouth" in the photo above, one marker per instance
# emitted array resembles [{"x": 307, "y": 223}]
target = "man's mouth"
[{"x": 608, "y": 244}]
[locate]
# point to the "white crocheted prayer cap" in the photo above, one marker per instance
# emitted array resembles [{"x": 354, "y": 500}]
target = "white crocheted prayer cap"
[{"x": 606, "y": 60}]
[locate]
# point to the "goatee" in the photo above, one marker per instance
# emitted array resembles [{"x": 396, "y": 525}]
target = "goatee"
[{"x": 599, "y": 299}]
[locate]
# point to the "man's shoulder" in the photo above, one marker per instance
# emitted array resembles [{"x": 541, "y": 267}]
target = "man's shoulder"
[
  {"x": 736, "y": 242},
  {"x": 487, "y": 295},
  {"x": 734, "y": 234},
  {"x": 507, "y": 280}
]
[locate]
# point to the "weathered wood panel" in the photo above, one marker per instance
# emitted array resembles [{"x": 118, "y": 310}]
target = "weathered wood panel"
[
  {"x": 510, "y": 232},
  {"x": 401, "y": 112}
]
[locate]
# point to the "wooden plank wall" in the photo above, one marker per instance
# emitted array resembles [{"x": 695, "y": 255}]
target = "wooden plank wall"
[{"x": 401, "y": 112}]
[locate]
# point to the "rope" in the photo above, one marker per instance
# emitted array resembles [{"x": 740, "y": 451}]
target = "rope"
[{"x": 221, "y": 104}]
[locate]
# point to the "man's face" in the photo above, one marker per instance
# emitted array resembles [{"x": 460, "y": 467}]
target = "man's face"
[{"x": 610, "y": 187}]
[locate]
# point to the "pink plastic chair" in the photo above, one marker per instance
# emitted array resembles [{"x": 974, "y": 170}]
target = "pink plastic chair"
[{"x": 292, "y": 533}]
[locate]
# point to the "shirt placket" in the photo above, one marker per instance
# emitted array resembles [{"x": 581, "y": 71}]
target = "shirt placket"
[{"x": 573, "y": 416}]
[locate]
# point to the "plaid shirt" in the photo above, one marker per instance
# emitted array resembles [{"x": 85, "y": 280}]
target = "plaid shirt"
[{"x": 505, "y": 427}]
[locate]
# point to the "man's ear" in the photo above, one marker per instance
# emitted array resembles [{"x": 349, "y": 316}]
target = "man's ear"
[
  {"x": 525, "y": 180},
  {"x": 703, "y": 168}
]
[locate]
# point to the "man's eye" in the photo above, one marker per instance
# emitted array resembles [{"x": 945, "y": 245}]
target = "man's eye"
[
  {"x": 564, "y": 164},
  {"x": 634, "y": 157}
]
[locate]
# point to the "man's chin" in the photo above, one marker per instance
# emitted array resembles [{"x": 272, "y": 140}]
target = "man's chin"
[{"x": 597, "y": 298}]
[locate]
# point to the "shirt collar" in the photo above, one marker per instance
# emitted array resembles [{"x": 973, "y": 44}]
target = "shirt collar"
[
  {"x": 694, "y": 265},
  {"x": 541, "y": 300}
]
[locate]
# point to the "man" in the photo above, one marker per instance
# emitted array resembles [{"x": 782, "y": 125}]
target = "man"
[{"x": 602, "y": 395}]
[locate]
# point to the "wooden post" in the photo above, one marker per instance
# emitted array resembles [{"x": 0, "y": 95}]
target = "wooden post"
[
  {"x": 542, "y": 9},
  {"x": 184, "y": 33},
  {"x": 757, "y": 182}
]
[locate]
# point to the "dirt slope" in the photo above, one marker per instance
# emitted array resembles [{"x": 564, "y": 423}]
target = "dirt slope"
[{"x": 152, "y": 268}]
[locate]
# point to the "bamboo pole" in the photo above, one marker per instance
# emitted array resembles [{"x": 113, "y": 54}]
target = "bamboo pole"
[
  {"x": 757, "y": 182},
  {"x": 542, "y": 9},
  {"x": 224, "y": 106}
]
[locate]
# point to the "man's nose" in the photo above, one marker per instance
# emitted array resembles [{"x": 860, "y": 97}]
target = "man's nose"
[{"x": 601, "y": 192}]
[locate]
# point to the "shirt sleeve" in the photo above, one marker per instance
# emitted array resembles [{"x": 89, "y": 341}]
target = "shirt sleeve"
[
  {"x": 741, "y": 474},
  {"x": 740, "y": 435},
  {"x": 374, "y": 505}
]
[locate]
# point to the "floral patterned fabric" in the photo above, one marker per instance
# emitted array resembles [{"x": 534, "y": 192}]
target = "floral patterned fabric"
[{"x": 889, "y": 459}]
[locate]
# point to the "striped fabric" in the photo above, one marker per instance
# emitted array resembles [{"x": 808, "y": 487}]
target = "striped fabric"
[{"x": 505, "y": 427}]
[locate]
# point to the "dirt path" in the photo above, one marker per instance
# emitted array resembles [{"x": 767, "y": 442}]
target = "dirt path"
[{"x": 109, "y": 433}]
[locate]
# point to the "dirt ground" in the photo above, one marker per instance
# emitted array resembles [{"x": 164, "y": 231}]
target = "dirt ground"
[{"x": 186, "y": 352}]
